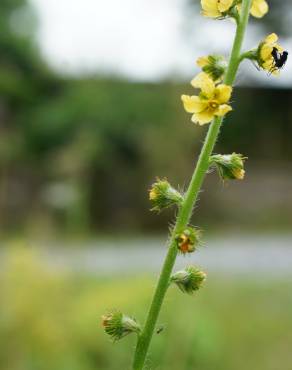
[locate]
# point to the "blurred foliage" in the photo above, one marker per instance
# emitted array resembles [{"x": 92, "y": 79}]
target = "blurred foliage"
[
  {"x": 51, "y": 320},
  {"x": 79, "y": 154}
]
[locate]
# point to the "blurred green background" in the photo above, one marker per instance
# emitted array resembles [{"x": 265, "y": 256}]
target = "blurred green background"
[{"x": 77, "y": 156}]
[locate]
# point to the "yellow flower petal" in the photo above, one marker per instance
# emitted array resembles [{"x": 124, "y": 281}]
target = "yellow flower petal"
[
  {"x": 268, "y": 64},
  {"x": 271, "y": 39},
  {"x": 259, "y": 8},
  {"x": 276, "y": 73},
  {"x": 238, "y": 173},
  {"x": 223, "y": 109},
  {"x": 193, "y": 104},
  {"x": 205, "y": 83},
  {"x": 203, "y": 117},
  {"x": 266, "y": 51},
  {"x": 223, "y": 93},
  {"x": 224, "y": 5},
  {"x": 202, "y": 61},
  {"x": 210, "y": 8}
]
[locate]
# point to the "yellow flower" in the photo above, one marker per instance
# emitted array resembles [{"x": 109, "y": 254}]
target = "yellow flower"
[
  {"x": 265, "y": 57},
  {"x": 211, "y": 101},
  {"x": 259, "y": 8},
  {"x": 215, "y": 8}
]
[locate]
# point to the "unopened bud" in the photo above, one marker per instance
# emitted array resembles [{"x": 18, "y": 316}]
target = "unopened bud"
[
  {"x": 188, "y": 240},
  {"x": 189, "y": 280},
  {"x": 117, "y": 325},
  {"x": 229, "y": 166},
  {"x": 163, "y": 195},
  {"x": 214, "y": 65}
]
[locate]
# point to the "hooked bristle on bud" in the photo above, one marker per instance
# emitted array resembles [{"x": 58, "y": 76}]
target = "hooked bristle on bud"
[
  {"x": 163, "y": 195},
  {"x": 117, "y": 325},
  {"x": 229, "y": 166},
  {"x": 188, "y": 240},
  {"x": 214, "y": 65},
  {"x": 189, "y": 280}
]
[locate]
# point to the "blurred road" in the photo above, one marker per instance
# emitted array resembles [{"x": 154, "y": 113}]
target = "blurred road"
[{"x": 267, "y": 255}]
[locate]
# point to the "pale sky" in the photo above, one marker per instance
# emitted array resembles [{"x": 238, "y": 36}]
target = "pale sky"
[{"x": 143, "y": 40}]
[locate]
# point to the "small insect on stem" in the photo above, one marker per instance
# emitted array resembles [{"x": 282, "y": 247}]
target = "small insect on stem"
[
  {"x": 280, "y": 60},
  {"x": 159, "y": 329}
]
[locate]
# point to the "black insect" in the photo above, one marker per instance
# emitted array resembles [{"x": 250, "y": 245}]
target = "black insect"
[
  {"x": 159, "y": 329},
  {"x": 280, "y": 59}
]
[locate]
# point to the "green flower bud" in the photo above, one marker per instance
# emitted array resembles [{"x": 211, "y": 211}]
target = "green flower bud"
[
  {"x": 189, "y": 280},
  {"x": 188, "y": 240},
  {"x": 117, "y": 325},
  {"x": 214, "y": 65},
  {"x": 229, "y": 166},
  {"x": 163, "y": 195}
]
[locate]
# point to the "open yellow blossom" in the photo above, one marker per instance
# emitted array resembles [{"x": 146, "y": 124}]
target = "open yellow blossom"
[
  {"x": 258, "y": 9},
  {"x": 215, "y": 8},
  {"x": 265, "y": 57},
  {"x": 210, "y": 102}
]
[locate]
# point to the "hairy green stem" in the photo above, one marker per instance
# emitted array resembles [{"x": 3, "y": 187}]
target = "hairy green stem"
[{"x": 190, "y": 198}]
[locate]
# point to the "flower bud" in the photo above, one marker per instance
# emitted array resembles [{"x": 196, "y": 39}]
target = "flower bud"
[
  {"x": 214, "y": 65},
  {"x": 117, "y": 325},
  {"x": 229, "y": 166},
  {"x": 189, "y": 280},
  {"x": 188, "y": 240},
  {"x": 163, "y": 195}
]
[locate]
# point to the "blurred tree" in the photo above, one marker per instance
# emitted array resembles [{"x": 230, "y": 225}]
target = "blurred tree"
[
  {"x": 24, "y": 81},
  {"x": 79, "y": 154}
]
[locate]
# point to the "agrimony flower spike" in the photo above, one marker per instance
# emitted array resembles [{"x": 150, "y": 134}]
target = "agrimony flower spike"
[
  {"x": 229, "y": 166},
  {"x": 214, "y": 65},
  {"x": 117, "y": 325},
  {"x": 189, "y": 280},
  {"x": 188, "y": 240},
  {"x": 163, "y": 195},
  {"x": 211, "y": 101}
]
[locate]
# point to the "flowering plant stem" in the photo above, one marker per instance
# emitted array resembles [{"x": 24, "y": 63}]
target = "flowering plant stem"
[{"x": 185, "y": 211}]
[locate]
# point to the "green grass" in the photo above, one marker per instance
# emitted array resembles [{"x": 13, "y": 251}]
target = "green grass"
[{"x": 51, "y": 321}]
